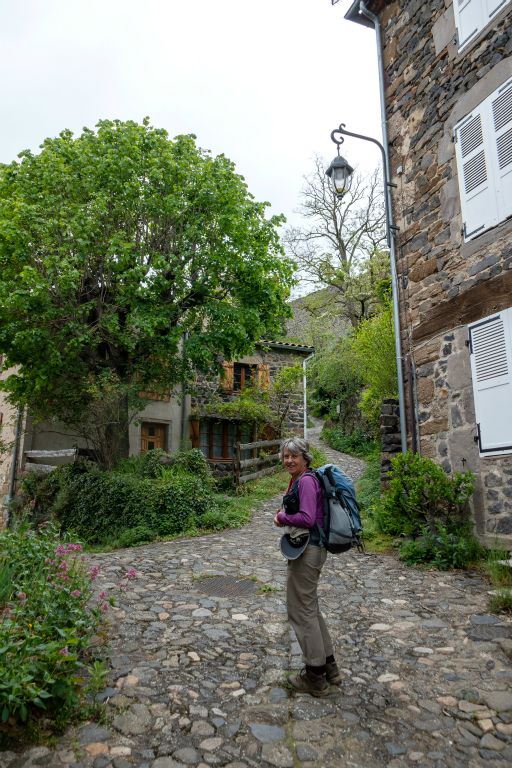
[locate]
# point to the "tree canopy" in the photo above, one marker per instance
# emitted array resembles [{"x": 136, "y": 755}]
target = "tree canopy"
[
  {"x": 128, "y": 259},
  {"x": 340, "y": 246}
]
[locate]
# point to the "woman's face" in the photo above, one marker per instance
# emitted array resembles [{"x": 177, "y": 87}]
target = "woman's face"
[{"x": 294, "y": 463}]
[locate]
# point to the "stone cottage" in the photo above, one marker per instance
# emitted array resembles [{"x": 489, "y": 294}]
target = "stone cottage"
[
  {"x": 167, "y": 421},
  {"x": 446, "y": 76}
]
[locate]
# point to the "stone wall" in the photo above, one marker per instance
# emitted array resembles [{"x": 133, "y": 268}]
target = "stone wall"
[
  {"x": 389, "y": 437},
  {"x": 444, "y": 283},
  {"x": 276, "y": 359}
]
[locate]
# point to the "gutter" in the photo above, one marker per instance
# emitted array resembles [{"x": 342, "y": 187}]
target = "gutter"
[
  {"x": 359, "y": 13},
  {"x": 305, "y": 389},
  {"x": 14, "y": 464}
]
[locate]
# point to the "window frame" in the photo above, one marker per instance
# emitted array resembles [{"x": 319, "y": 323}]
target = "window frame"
[
  {"x": 483, "y": 17},
  {"x": 491, "y": 371},
  {"x": 483, "y": 141}
]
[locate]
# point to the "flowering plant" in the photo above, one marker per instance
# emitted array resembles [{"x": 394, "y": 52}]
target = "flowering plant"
[{"x": 49, "y": 614}]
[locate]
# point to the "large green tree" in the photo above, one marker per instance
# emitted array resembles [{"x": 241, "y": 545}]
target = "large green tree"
[{"x": 128, "y": 259}]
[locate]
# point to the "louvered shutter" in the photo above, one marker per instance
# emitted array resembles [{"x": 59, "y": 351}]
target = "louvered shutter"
[
  {"x": 493, "y": 6},
  {"x": 491, "y": 369},
  {"x": 227, "y": 377},
  {"x": 500, "y": 128},
  {"x": 264, "y": 375},
  {"x": 470, "y": 18},
  {"x": 477, "y": 192},
  {"x": 194, "y": 432}
]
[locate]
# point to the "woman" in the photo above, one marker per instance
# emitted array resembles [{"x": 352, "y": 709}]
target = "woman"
[{"x": 304, "y": 615}]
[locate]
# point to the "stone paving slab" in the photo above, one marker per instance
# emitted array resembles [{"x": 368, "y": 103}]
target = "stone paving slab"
[{"x": 200, "y": 649}]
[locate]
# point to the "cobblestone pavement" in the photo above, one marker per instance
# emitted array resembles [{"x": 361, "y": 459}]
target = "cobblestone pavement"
[{"x": 200, "y": 648}]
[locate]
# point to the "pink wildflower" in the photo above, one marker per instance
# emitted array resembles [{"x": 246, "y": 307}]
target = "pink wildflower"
[
  {"x": 63, "y": 566},
  {"x": 104, "y": 607},
  {"x": 131, "y": 573},
  {"x": 21, "y": 597},
  {"x": 76, "y": 593},
  {"x": 103, "y": 596},
  {"x": 64, "y": 651},
  {"x": 60, "y": 549}
]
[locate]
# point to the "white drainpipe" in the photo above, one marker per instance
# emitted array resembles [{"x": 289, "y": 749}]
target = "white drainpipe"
[{"x": 305, "y": 389}]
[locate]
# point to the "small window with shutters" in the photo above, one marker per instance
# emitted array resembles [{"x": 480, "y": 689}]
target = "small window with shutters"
[
  {"x": 483, "y": 148},
  {"x": 472, "y": 16},
  {"x": 490, "y": 344}
]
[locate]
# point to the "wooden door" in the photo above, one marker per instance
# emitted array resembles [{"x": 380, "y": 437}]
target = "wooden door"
[{"x": 152, "y": 435}]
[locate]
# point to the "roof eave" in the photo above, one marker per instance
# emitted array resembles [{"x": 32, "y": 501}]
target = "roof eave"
[{"x": 353, "y": 14}]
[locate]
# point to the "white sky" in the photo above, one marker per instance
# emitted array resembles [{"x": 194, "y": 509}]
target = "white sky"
[{"x": 263, "y": 82}]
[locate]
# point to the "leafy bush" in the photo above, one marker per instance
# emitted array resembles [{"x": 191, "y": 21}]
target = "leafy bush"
[
  {"x": 139, "y": 504},
  {"x": 442, "y": 549},
  {"x": 48, "y": 619},
  {"x": 357, "y": 443},
  {"x": 421, "y": 495}
]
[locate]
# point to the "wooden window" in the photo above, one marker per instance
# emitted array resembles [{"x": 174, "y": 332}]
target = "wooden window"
[
  {"x": 490, "y": 342},
  {"x": 483, "y": 147},
  {"x": 471, "y": 16},
  {"x": 218, "y": 439},
  {"x": 152, "y": 435},
  {"x": 243, "y": 375}
]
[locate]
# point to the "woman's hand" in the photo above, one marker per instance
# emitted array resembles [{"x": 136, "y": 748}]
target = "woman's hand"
[{"x": 276, "y": 521}]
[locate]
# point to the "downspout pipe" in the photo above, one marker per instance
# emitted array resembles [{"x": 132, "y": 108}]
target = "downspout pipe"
[
  {"x": 363, "y": 10},
  {"x": 14, "y": 464},
  {"x": 305, "y": 388}
]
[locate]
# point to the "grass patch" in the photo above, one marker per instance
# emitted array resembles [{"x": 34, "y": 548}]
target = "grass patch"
[
  {"x": 267, "y": 588},
  {"x": 368, "y": 494},
  {"x": 501, "y": 602},
  {"x": 356, "y": 444}
]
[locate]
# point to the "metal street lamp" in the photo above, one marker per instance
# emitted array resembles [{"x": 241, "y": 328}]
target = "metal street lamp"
[
  {"x": 339, "y": 173},
  {"x": 337, "y": 136}
]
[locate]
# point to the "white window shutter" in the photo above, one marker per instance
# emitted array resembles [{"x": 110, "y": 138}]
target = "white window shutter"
[
  {"x": 491, "y": 369},
  {"x": 493, "y": 6},
  {"x": 477, "y": 191},
  {"x": 500, "y": 129},
  {"x": 470, "y": 18}
]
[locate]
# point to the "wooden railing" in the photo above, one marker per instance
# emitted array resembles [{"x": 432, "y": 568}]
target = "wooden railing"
[
  {"x": 69, "y": 454},
  {"x": 258, "y": 461}
]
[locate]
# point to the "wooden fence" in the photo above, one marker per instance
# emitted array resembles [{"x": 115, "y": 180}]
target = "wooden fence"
[{"x": 258, "y": 463}]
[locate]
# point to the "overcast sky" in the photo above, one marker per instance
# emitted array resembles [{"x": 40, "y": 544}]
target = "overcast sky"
[{"x": 264, "y": 82}]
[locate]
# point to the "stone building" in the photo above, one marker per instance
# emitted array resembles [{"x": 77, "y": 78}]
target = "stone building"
[
  {"x": 446, "y": 78},
  {"x": 217, "y": 435},
  {"x": 167, "y": 422}
]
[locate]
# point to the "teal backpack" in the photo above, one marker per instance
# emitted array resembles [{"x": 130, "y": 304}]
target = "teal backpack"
[{"x": 342, "y": 519}]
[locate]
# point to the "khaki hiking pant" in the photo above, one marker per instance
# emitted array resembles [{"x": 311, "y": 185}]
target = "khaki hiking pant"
[{"x": 302, "y": 605}]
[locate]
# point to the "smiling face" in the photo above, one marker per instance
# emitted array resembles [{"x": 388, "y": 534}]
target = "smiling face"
[{"x": 294, "y": 463}]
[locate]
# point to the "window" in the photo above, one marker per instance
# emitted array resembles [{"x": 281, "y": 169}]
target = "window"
[
  {"x": 152, "y": 435},
  {"x": 471, "y": 16},
  {"x": 483, "y": 148},
  {"x": 490, "y": 344},
  {"x": 218, "y": 439},
  {"x": 243, "y": 375}
]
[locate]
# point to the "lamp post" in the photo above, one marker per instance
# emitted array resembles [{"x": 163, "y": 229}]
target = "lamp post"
[{"x": 339, "y": 172}]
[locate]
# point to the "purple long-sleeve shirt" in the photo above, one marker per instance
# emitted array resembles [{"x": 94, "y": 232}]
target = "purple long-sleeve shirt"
[{"x": 310, "y": 502}]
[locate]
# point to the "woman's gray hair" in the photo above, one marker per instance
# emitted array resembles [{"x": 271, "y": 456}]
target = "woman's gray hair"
[{"x": 296, "y": 446}]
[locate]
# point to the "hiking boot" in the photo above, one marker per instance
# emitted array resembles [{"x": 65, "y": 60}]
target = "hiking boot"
[
  {"x": 308, "y": 682},
  {"x": 332, "y": 673}
]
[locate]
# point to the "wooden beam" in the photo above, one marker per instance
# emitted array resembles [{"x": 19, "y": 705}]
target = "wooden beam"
[
  {"x": 256, "y": 475},
  {"x": 479, "y": 301},
  {"x": 31, "y": 467},
  {"x": 260, "y": 444},
  {"x": 254, "y": 462},
  {"x": 51, "y": 454}
]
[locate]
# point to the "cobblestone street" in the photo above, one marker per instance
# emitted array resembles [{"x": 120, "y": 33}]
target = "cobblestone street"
[{"x": 200, "y": 649}]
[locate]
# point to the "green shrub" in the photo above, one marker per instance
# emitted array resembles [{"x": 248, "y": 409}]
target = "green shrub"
[
  {"x": 48, "y": 619},
  {"x": 421, "y": 495},
  {"x": 143, "y": 501},
  {"x": 442, "y": 549},
  {"x": 357, "y": 443}
]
